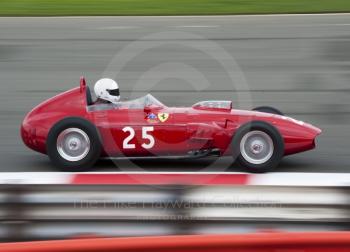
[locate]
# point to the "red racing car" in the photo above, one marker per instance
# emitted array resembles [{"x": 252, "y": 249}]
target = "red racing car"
[{"x": 74, "y": 131}]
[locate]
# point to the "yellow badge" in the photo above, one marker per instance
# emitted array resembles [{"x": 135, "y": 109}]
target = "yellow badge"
[{"x": 163, "y": 117}]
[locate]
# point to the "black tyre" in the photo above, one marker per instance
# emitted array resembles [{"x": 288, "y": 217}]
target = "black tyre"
[
  {"x": 73, "y": 145},
  {"x": 267, "y": 109},
  {"x": 258, "y": 147}
]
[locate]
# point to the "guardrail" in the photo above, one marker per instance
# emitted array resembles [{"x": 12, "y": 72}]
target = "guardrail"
[
  {"x": 45, "y": 212},
  {"x": 306, "y": 242}
]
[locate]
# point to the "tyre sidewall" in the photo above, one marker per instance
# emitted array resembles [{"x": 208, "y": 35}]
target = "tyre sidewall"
[
  {"x": 276, "y": 139},
  {"x": 73, "y": 166},
  {"x": 267, "y": 109}
]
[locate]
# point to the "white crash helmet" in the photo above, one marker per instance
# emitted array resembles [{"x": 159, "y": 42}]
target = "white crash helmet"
[{"x": 107, "y": 89}]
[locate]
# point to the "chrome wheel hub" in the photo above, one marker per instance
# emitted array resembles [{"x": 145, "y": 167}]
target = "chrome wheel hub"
[
  {"x": 73, "y": 144},
  {"x": 256, "y": 147}
]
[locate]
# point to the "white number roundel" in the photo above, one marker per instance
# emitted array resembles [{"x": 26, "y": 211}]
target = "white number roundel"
[{"x": 145, "y": 135}]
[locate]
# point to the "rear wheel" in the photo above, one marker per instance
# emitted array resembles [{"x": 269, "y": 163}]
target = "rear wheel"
[
  {"x": 258, "y": 147},
  {"x": 267, "y": 109},
  {"x": 73, "y": 145}
]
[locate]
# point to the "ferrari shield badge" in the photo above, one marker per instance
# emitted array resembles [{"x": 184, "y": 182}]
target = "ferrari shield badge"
[{"x": 163, "y": 117}]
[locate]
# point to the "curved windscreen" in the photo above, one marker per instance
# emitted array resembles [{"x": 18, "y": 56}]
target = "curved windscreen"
[
  {"x": 139, "y": 103},
  {"x": 213, "y": 105},
  {"x": 142, "y": 102}
]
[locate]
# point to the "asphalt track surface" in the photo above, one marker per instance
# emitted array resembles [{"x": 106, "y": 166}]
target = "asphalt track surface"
[{"x": 299, "y": 64}]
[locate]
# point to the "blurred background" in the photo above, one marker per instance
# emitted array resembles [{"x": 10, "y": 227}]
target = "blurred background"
[
  {"x": 298, "y": 64},
  {"x": 49, "y": 212}
]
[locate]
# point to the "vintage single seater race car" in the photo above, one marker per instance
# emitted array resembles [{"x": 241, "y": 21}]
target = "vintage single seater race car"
[{"x": 75, "y": 132}]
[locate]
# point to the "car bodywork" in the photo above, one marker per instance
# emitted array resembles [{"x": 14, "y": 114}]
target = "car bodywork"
[{"x": 206, "y": 128}]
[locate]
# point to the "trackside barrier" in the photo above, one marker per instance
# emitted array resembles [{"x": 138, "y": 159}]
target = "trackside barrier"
[
  {"x": 306, "y": 242},
  {"x": 47, "y": 212},
  {"x": 184, "y": 178}
]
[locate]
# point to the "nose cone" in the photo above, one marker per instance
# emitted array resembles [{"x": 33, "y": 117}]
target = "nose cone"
[
  {"x": 318, "y": 131},
  {"x": 301, "y": 128},
  {"x": 314, "y": 131},
  {"x": 298, "y": 136}
]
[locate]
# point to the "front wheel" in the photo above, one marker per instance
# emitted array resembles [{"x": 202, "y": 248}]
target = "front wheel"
[
  {"x": 267, "y": 109},
  {"x": 73, "y": 145},
  {"x": 258, "y": 147}
]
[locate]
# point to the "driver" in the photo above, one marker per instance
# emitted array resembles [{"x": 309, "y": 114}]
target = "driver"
[{"x": 106, "y": 91}]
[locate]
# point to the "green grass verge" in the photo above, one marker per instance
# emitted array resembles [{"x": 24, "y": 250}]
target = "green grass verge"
[{"x": 167, "y": 7}]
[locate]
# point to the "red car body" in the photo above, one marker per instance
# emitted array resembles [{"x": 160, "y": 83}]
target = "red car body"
[{"x": 186, "y": 129}]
